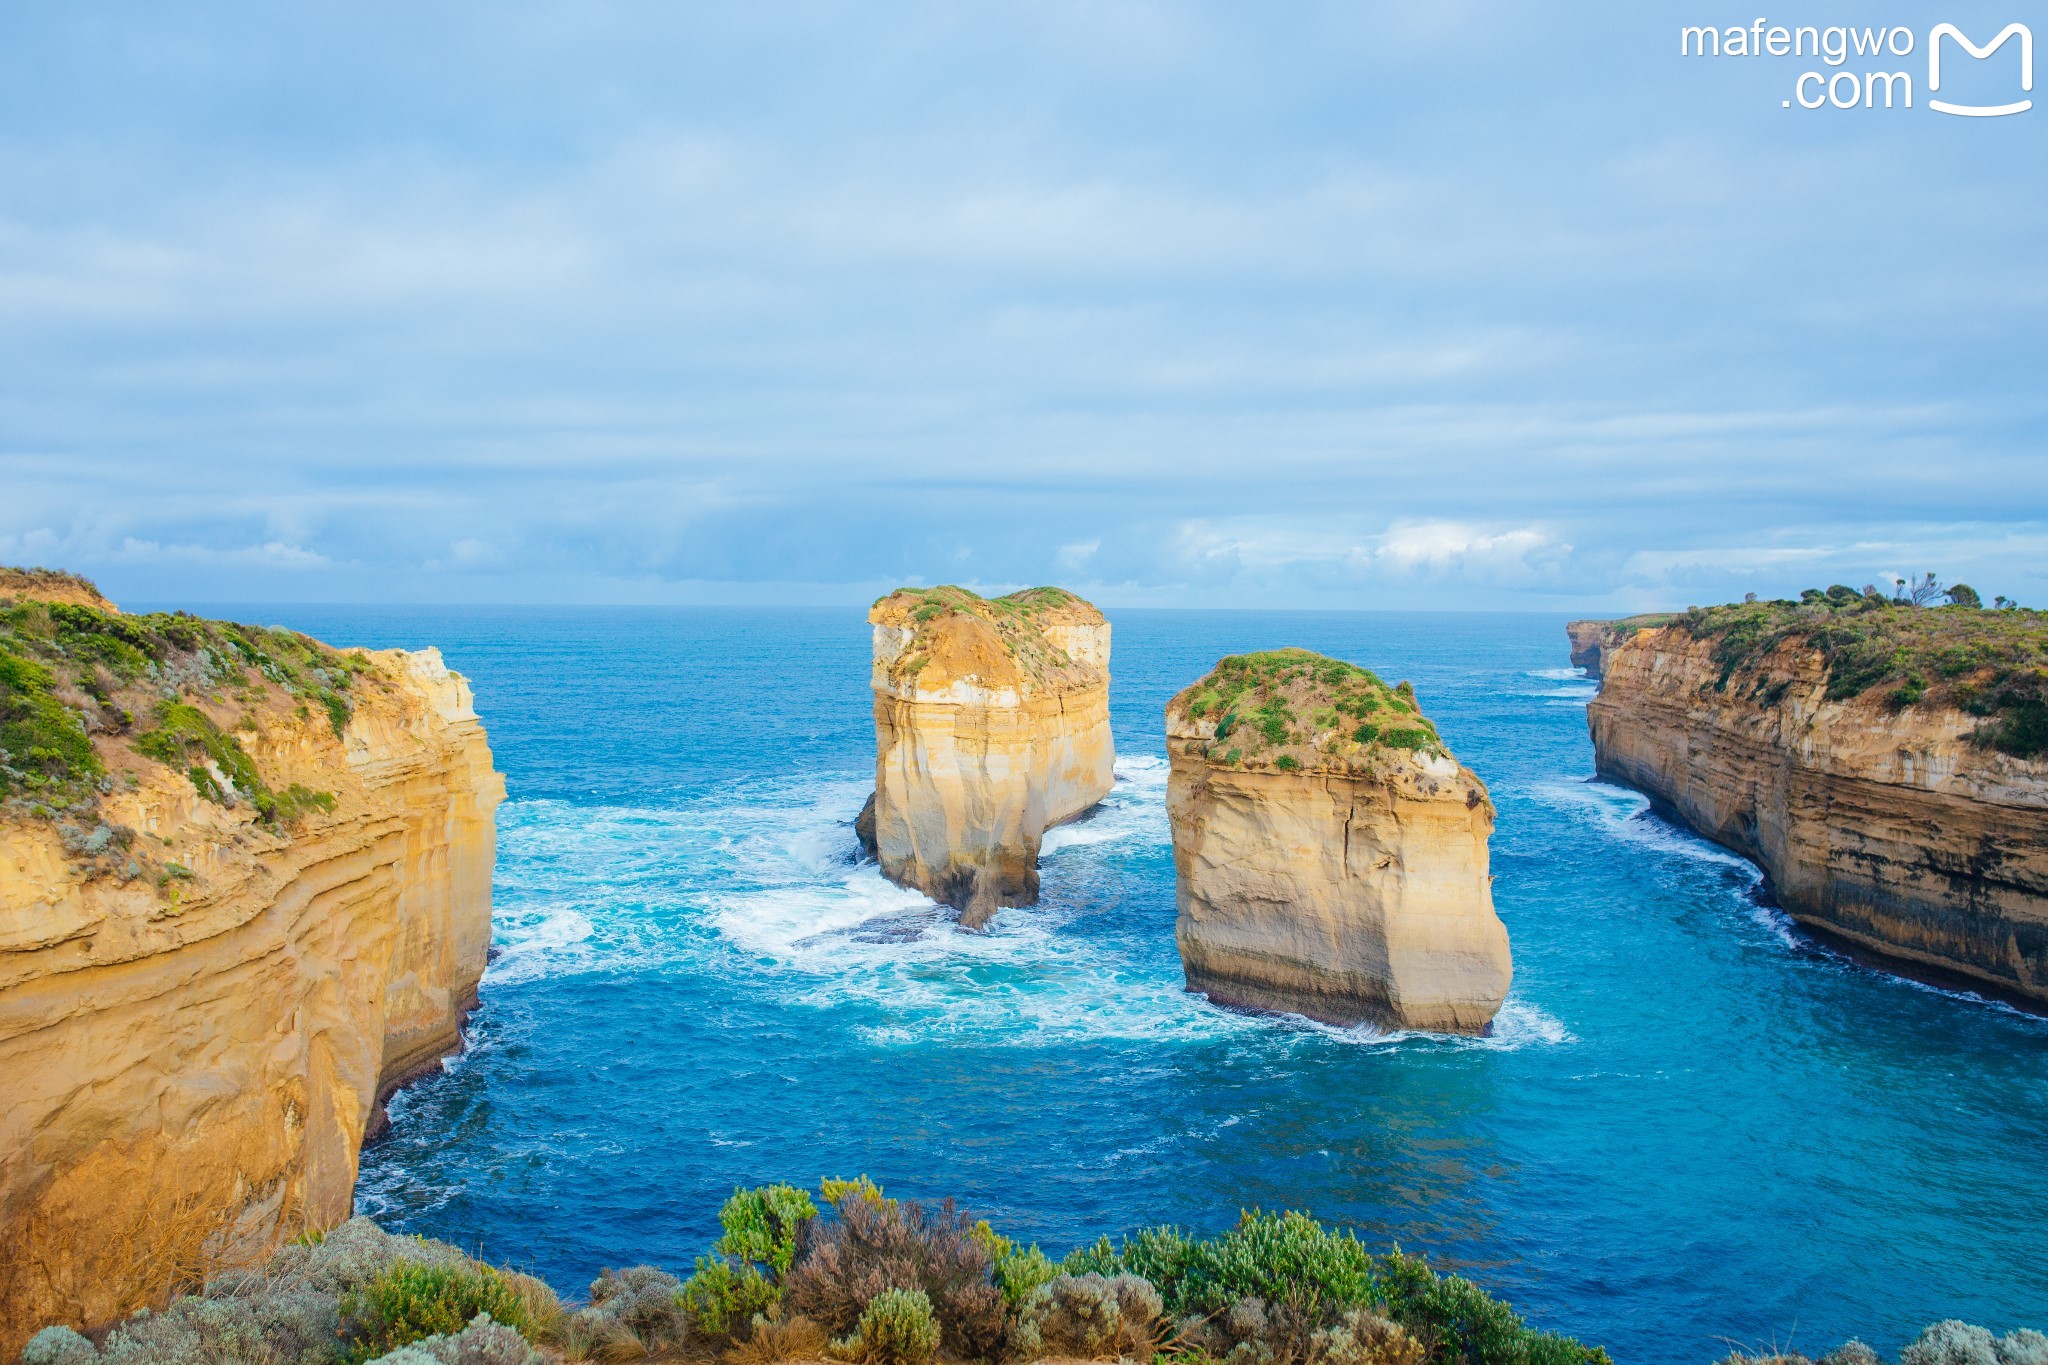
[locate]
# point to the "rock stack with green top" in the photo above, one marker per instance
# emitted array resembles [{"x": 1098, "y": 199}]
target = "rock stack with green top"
[
  {"x": 1330, "y": 853},
  {"x": 991, "y": 726}
]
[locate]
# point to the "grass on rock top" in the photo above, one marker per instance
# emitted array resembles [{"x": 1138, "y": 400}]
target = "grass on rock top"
[
  {"x": 1019, "y": 620},
  {"x": 86, "y": 692},
  {"x": 1987, "y": 663},
  {"x": 1292, "y": 709}
]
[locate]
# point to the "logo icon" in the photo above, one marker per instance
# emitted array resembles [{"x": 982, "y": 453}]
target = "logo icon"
[{"x": 2026, "y": 37}]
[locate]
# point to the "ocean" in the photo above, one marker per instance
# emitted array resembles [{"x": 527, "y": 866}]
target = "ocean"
[{"x": 1691, "y": 1126}]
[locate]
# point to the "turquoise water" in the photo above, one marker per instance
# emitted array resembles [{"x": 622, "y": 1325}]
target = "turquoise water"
[{"x": 1690, "y": 1125}]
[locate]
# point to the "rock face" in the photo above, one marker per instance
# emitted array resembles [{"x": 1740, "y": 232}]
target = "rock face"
[
  {"x": 1330, "y": 855},
  {"x": 204, "y": 999},
  {"x": 1883, "y": 814},
  {"x": 1593, "y": 640},
  {"x": 991, "y": 726}
]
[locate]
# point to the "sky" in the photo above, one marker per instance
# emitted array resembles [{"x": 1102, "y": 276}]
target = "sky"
[{"x": 1449, "y": 306}]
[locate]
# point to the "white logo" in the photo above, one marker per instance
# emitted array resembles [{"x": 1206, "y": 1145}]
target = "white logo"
[{"x": 2026, "y": 37}]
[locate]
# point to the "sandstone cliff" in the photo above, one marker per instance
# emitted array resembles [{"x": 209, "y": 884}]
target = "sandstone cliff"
[
  {"x": 991, "y": 726},
  {"x": 1884, "y": 765},
  {"x": 1592, "y": 641},
  {"x": 1330, "y": 855},
  {"x": 244, "y": 891}
]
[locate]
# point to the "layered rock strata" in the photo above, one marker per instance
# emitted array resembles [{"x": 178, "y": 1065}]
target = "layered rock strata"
[
  {"x": 991, "y": 726},
  {"x": 262, "y": 902},
  {"x": 1330, "y": 855},
  {"x": 1886, "y": 816}
]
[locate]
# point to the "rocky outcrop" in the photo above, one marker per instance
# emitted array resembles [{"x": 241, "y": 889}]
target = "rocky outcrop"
[
  {"x": 1591, "y": 641},
  {"x": 212, "y": 974},
  {"x": 1330, "y": 855},
  {"x": 991, "y": 726},
  {"x": 1814, "y": 742}
]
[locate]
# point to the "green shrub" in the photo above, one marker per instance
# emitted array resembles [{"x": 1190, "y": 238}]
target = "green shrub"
[
  {"x": 721, "y": 1297},
  {"x": 411, "y": 1300},
  {"x": 1467, "y": 1323},
  {"x": 1287, "y": 763},
  {"x": 42, "y": 742},
  {"x": 58, "y": 1346},
  {"x": 1018, "y": 1270},
  {"x": 1296, "y": 1277},
  {"x": 761, "y": 1225},
  {"x": 896, "y": 1328}
]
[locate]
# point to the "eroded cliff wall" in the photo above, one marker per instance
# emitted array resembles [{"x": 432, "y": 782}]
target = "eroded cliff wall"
[
  {"x": 1330, "y": 855},
  {"x": 1888, "y": 825},
  {"x": 193, "y": 1049},
  {"x": 991, "y": 726}
]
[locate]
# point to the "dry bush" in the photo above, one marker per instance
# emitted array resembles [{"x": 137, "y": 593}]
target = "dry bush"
[
  {"x": 776, "y": 1338},
  {"x": 844, "y": 1264}
]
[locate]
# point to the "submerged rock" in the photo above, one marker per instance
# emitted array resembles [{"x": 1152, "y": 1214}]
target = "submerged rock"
[
  {"x": 1329, "y": 853},
  {"x": 991, "y": 726}
]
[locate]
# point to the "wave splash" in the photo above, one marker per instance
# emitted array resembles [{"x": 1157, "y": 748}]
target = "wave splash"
[{"x": 759, "y": 886}]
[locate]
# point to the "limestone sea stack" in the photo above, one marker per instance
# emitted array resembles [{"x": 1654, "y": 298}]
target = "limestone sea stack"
[
  {"x": 1330, "y": 854},
  {"x": 991, "y": 726},
  {"x": 245, "y": 890},
  {"x": 1885, "y": 765}
]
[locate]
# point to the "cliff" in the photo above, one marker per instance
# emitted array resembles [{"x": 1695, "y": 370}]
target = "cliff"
[
  {"x": 991, "y": 726},
  {"x": 1886, "y": 765},
  {"x": 1592, "y": 641},
  {"x": 1330, "y": 854},
  {"x": 244, "y": 892}
]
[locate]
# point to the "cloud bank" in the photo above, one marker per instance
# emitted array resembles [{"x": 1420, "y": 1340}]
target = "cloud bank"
[{"x": 1180, "y": 303}]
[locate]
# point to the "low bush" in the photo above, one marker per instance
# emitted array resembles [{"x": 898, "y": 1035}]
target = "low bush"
[
  {"x": 1090, "y": 1315},
  {"x": 412, "y": 1300},
  {"x": 721, "y": 1298},
  {"x": 873, "y": 1244},
  {"x": 1018, "y": 1270},
  {"x": 1272, "y": 1282},
  {"x": 58, "y": 1346},
  {"x": 482, "y": 1342},
  {"x": 896, "y": 1328}
]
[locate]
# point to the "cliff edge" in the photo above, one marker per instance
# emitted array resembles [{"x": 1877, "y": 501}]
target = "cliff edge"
[
  {"x": 244, "y": 892},
  {"x": 991, "y": 726},
  {"x": 1886, "y": 765},
  {"x": 1592, "y": 641},
  {"x": 1330, "y": 855}
]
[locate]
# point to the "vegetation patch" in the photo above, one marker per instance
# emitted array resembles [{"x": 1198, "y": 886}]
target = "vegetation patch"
[
  {"x": 1019, "y": 621},
  {"x": 1292, "y": 709},
  {"x": 86, "y": 690},
  {"x": 411, "y": 1301},
  {"x": 1990, "y": 663},
  {"x": 896, "y": 1282}
]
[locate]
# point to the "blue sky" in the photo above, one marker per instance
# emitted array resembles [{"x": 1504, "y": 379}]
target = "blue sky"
[{"x": 1325, "y": 305}]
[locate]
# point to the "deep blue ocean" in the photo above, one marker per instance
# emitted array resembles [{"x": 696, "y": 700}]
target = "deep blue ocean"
[{"x": 1691, "y": 1126}]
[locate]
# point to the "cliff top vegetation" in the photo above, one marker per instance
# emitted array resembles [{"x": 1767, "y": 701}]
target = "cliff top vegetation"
[
  {"x": 998, "y": 641},
  {"x": 1623, "y": 627},
  {"x": 92, "y": 700},
  {"x": 846, "y": 1273},
  {"x": 1294, "y": 710},
  {"x": 1988, "y": 663}
]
